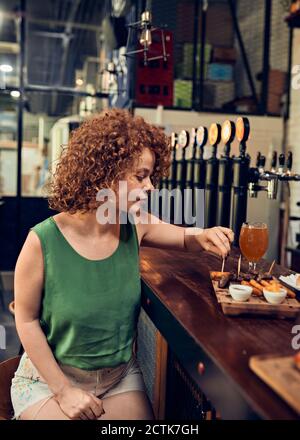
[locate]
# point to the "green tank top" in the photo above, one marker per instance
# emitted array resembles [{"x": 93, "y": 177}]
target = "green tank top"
[{"x": 90, "y": 308}]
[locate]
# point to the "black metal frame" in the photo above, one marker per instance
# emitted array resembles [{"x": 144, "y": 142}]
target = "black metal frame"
[
  {"x": 20, "y": 119},
  {"x": 266, "y": 57},
  {"x": 196, "y": 23},
  {"x": 23, "y": 88},
  {"x": 290, "y": 57},
  {"x": 243, "y": 50}
]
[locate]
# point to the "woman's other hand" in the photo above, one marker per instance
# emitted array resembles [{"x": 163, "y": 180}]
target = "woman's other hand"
[{"x": 79, "y": 404}]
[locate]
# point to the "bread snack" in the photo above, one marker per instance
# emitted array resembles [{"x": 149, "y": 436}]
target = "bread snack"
[
  {"x": 255, "y": 291},
  {"x": 217, "y": 275},
  {"x": 290, "y": 293},
  {"x": 257, "y": 285},
  {"x": 267, "y": 284}
]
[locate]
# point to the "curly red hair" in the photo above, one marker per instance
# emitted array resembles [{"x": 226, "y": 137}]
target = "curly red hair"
[{"x": 99, "y": 153}]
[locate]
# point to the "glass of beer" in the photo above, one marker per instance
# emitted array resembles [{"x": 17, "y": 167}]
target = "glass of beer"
[{"x": 254, "y": 240}]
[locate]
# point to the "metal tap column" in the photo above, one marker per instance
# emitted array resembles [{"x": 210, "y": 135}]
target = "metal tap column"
[
  {"x": 225, "y": 176},
  {"x": 211, "y": 180},
  {"x": 240, "y": 179}
]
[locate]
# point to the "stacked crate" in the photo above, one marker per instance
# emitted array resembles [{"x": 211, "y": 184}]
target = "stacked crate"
[{"x": 183, "y": 85}]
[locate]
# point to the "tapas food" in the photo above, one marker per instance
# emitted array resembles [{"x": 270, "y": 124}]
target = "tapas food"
[
  {"x": 292, "y": 280},
  {"x": 253, "y": 293},
  {"x": 258, "y": 282}
]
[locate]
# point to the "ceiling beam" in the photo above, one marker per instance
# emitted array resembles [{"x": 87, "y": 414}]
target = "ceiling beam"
[{"x": 47, "y": 22}]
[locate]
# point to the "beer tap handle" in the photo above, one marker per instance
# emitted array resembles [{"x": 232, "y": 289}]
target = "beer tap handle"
[
  {"x": 242, "y": 129},
  {"x": 201, "y": 140},
  {"x": 281, "y": 160},
  {"x": 274, "y": 161},
  {"x": 262, "y": 161},
  {"x": 258, "y": 159},
  {"x": 214, "y": 137},
  {"x": 289, "y": 161}
]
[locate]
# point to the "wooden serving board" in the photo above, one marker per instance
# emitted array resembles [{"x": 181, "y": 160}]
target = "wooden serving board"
[
  {"x": 281, "y": 375},
  {"x": 255, "y": 305}
]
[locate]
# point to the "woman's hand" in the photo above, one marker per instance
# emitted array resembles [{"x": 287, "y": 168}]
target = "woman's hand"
[
  {"x": 216, "y": 240},
  {"x": 79, "y": 404}
]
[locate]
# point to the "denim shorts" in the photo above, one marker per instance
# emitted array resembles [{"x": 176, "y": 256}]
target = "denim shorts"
[{"x": 28, "y": 386}]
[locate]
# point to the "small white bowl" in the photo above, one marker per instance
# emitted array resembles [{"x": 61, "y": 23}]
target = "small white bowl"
[
  {"x": 239, "y": 292},
  {"x": 275, "y": 297}
]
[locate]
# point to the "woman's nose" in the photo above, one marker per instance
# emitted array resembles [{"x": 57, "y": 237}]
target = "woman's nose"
[{"x": 148, "y": 186}]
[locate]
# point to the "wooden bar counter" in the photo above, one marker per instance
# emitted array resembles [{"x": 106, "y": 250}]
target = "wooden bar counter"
[{"x": 214, "y": 349}]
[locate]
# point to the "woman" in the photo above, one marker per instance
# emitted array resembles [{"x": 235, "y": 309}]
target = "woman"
[{"x": 77, "y": 283}]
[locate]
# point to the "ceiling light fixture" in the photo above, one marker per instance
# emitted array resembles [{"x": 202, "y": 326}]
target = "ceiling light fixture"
[
  {"x": 6, "y": 68},
  {"x": 15, "y": 93},
  {"x": 144, "y": 29},
  {"x": 79, "y": 81}
]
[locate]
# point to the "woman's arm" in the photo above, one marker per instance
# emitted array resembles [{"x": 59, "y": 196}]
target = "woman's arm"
[
  {"x": 159, "y": 234},
  {"x": 29, "y": 280}
]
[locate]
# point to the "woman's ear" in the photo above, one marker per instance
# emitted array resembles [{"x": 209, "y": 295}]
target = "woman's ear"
[{"x": 114, "y": 186}]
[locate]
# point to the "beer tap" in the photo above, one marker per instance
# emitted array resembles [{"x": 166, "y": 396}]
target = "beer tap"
[
  {"x": 183, "y": 142},
  {"x": 225, "y": 175},
  {"x": 258, "y": 156},
  {"x": 211, "y": 179},
  {"x": 281, "y": 161},
  {"x": 199, "y": 164},
  {"x": 281, "y": 175},
  {"x": 255, "y": 175},
  {"x": 189, "y": 184},
  {"x": 170, "y": 182},
  {"x": 288, "y": 175},
  {"x": 190, "y": 162},
  {"x": 177, "y": 172},
  {"x": 262, "y": 164},
  {"x": 240, "y": 178},
  {"x": 289, "y": 163},
  {"x": 179, "y": 175},
  {"x": 172, "y": 173},
  {"x": 271, "y": 177},
  {"x": 274, "y": 162}
]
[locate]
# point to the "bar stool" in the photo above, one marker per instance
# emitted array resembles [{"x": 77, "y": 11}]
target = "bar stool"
[{"x": 7, "y": 371}]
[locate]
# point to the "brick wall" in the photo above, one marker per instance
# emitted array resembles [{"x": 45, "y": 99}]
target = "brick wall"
[{"x": 251, "y": 22}]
